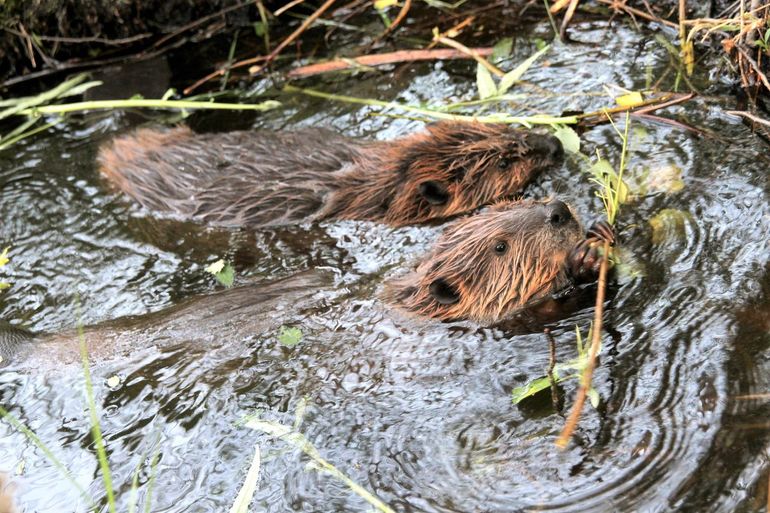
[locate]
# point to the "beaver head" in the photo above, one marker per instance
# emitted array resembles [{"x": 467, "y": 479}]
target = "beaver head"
[
  {"x": 457, "y": 167},
  {"x": 487, "y": 266}
]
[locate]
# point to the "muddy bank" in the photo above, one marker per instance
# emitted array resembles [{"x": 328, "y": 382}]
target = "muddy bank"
[{"x": 41, "y": 34}]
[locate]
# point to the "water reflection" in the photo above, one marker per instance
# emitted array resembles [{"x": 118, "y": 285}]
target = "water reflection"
[{"x": 419, "y": 413}]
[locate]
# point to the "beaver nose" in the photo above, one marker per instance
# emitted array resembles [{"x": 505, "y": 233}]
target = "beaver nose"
[
  {"x": 557, "y": 213},
  {"x": 545, "y": 145}
]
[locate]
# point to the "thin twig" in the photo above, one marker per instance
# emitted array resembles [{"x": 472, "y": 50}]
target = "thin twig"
[
  {"x": 551, "y": 366},
  {"x": 294, "y": 35},
  {"x": 382, "y": 59},
  {"x": 199, "y": 22},
  {"x": 461, "y": 47},
  {"x": 748, "y": 115},
  {"x": 588, "y": 373},
  {"x": 286, "y": 7},
  {"x": 567, "y": 18},
  {"x": 77, "y": 40},
  {"x": 755, "y": 67},
  {"x": 621, "y": 6},
  {"x": 399, "y": 18}
]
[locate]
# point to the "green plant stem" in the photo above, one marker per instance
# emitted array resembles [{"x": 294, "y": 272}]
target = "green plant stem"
[
  {"x": 298, "y": 440},
  {"x": 494, "y": 118},
  {"x": 95, "y": 428},
  {"x": 13, "y": 140},
  {"x": 151, "y": 482},
  {"x": 16, "y": 423},
  {"x": 152, "y": 104}
]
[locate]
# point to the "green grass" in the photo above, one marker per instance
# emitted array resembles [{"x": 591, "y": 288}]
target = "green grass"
[
  {"x": 292, "y": 436},
  {"x": 35, "y": 108}
]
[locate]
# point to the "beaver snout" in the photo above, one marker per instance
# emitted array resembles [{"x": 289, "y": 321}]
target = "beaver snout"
[
  {"x": 557, "y": 213},
  {"x": 546, "y": 146}
]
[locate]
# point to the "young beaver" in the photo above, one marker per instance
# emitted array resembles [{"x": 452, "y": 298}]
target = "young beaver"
[
  {"x": 488, "y": 266},
  {"x": 273, "y": 179},
  {"x": 484, "y": 268}
]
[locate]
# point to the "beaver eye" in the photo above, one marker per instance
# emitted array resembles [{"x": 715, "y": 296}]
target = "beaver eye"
[
  {"x": 501, "y": 247},
  {"x": 503, "y": 163}
]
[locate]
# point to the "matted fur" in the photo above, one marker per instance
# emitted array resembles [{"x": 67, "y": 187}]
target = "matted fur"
[
  {"x": 491, "y": 286},
  {"x": 269, "y": 179}
]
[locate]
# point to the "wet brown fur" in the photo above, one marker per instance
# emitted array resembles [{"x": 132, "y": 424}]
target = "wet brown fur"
[
  {"x": 491, "y": 287},
  {"x": 277, "y": 178}
]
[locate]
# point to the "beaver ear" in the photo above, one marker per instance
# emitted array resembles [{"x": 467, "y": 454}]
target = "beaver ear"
[
  {"x": 434, "y": 192},
  {"x": 443, "y": 292}
]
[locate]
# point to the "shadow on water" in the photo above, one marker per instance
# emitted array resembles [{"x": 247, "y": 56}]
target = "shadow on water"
[{"x": 419, "y": 413}]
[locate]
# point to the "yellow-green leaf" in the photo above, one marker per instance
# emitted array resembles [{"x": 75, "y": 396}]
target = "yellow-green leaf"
[
  {"x": 216, "y": 267},
  {"x": 515, "y": 75},
  {"x": 485, "y": 83},
  {"x": 630, "y": 100},
  {"x": 668, "y": 224},
  {"x": 384, "y": 4},
  {"x": 569, "y": 139}
]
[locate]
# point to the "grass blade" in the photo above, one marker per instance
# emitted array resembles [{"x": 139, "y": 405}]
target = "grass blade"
[
  {"x": 246, "y": 494},
  {"x": 32, "y": 437},
  {"x": 96, "y": 431}
]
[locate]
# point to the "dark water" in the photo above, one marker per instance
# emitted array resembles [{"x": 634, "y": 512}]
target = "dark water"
[{"x": 420, "y": 414}]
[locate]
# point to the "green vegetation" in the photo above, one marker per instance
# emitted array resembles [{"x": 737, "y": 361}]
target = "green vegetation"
[
  {"x": 289, "y": 337},
  {"x": 35, "y": 108},
  {"x": 4, "y": 260},
  {"x": 562, "y": 372},
  {"x": 223, "y": 272},
  {"x": 290, "y": 435}
]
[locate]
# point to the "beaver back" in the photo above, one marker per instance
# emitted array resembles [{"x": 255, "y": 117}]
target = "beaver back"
[{"x": 230, "y": 179}]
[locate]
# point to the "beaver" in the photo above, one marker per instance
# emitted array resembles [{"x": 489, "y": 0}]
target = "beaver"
[
  {"x": 489, "y": 266},
  {"x": 485, "y": 268},
  {"x": 265, "y": 179}
]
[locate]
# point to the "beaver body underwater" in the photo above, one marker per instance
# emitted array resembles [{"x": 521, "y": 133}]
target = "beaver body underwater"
[
  {"x": 267, "y": 179},
  {"x": 484, "y": 268}
]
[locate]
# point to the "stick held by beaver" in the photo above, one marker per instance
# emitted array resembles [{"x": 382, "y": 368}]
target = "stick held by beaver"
[
  {"x": 264, "y": 179},
  {"x": 484, "y": 268}
]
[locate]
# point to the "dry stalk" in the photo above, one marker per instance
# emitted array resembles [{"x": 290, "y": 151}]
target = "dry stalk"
[
  {"x": 631, "y": 11},
  {"x": 399, "y": 18},
  {"x": 294, "y": 35},
  {"x": 567, "y": 18},
  {"x": 382, "y": 59},
  {"x": 468, "y": 51},
  {"x": 588, "y": 373},
  {"x": 551, "y": 366}
]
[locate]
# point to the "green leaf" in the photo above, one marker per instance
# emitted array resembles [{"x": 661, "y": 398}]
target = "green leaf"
[
  {"x": 289, "y": 337},
  {"x": 260, "y": 28},
  {"x": 484, "y": 82},
  {"x": 4, "y": 257},
  {"x": 223, "y": 272},
  {"x": 530, "y": 389},
  {"x": 513, "y": 76},
  {"x": 569, "y": 139},
  {"x": 501, "y": 50}
]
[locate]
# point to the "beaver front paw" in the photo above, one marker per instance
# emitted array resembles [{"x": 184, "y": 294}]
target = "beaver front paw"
[
  {"x": 602, "y": 231},
  {"x": 584, "y": 260}
]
